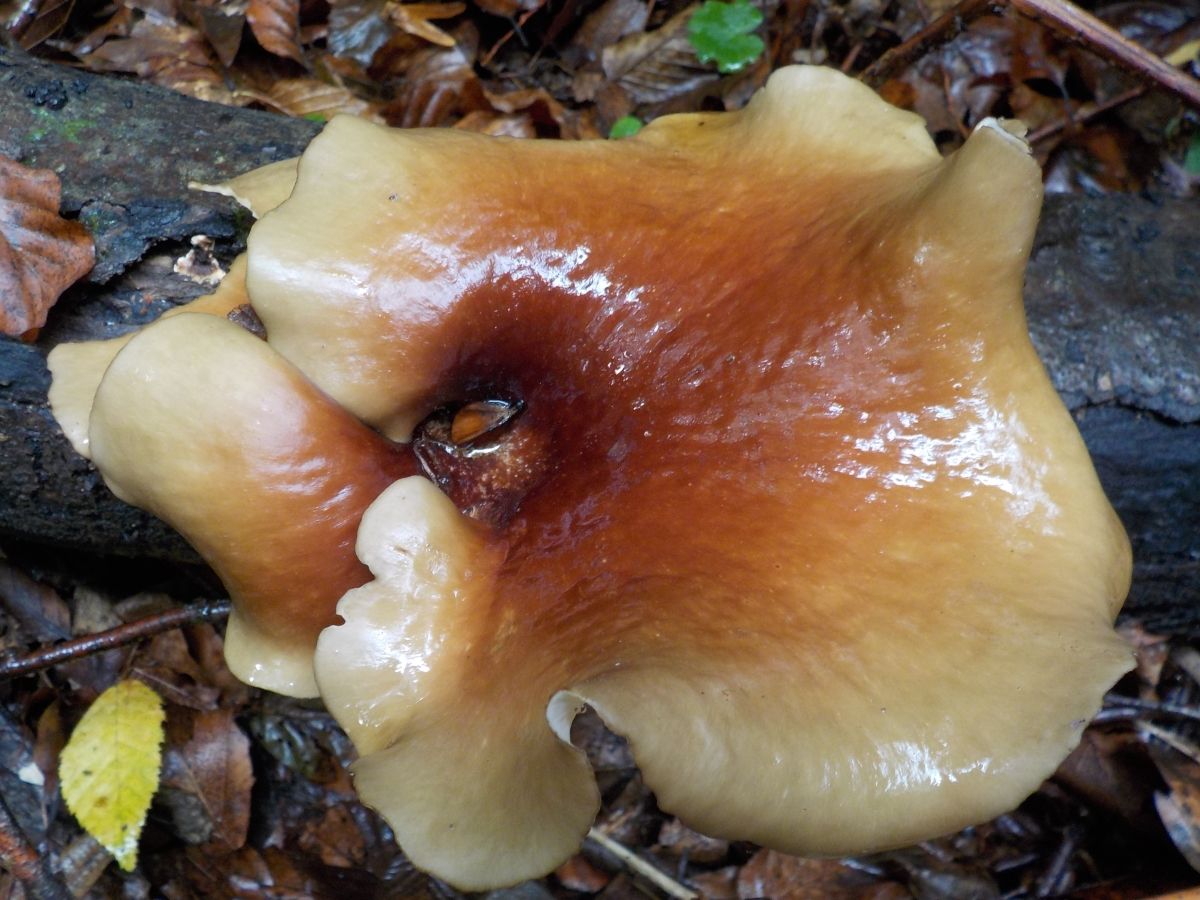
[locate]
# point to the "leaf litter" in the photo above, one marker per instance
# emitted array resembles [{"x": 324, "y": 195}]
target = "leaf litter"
[{"x": 596, "y": 61}]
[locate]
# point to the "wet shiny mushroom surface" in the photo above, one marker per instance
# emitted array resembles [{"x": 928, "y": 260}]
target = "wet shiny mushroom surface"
[{"x": 790, "y": 503}]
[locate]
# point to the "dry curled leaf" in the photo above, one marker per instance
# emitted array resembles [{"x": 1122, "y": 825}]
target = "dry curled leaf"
[
  {"x": 210, "y": 773},
  {"x": 311, "y": 98},
  {"x": 41, "y": 253},
  {"x": 222, "y": 28},
  {"x": 275, "y": 24},
  {"x": 656, "y": 66},
  {"x": 172, "y": 55},
  {"x": 416, "y": 19},
  {"x": 1179, "y": 806}
]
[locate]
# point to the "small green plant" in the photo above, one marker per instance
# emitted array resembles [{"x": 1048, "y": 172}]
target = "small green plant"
[
  {"x": 626, "y": 126},
  {"x": 720, "y": 32},
  {"x": 1191, "y": 161}
]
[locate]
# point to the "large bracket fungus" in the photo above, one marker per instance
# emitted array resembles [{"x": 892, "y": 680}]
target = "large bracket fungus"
[{"x": 787, "y": 496}]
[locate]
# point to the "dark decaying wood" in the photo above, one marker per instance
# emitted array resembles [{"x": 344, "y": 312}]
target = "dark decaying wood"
[{"x": 1113, "y": 294}]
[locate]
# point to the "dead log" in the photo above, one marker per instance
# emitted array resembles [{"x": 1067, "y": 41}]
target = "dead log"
[{"x": 1112, "y": 294}]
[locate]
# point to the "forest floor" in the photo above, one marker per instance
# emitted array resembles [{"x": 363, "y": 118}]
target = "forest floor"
[{"x": 256, "y": 800}]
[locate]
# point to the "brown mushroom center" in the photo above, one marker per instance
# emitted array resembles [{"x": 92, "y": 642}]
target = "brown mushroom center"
[{"x": 482, "y": 455}]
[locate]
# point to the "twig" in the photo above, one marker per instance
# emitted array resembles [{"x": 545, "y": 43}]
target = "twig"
[
  {"x": 1085, "y": 113},
  {"x": 941, "y": 30},
  {"x": 20, "y": 858},
  {"x": 1070, "y": 22},
  {"x": 1139, "y": 708},
  {"x": 641, "y": 868},
  {"x": 1063, "y": 18},
  {"x": 515, "y": 30},
  {"x": 44, "y": 657}
]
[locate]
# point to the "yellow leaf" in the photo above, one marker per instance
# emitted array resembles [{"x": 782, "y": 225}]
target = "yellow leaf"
[
  {"x": 109, "y": 768},
  {"x": 1184, "y": 54}
]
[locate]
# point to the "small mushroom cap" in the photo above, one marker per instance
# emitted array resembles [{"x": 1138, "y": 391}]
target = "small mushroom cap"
[
  {"x": 815, "y": 532},
  {"x": 199, "y": 422}
]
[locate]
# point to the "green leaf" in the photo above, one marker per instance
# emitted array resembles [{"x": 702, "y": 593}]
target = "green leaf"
[
  {"x": 1191, "y": 161},
  {"x": 626, "y": 126},
  {"x": 109, "y": 768},
  {"x": 720, "y": 33}
]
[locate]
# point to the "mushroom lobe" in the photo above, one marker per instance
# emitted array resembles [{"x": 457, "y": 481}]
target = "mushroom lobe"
[
  {"x": 803, "y": 517},
  {"x": 199, "y": 422}
]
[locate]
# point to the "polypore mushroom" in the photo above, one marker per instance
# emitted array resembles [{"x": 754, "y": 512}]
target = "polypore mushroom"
[{"x": 789, "y": 499}]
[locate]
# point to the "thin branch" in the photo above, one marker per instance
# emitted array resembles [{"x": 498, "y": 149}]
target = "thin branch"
[
  {"x": 1086, "y": 113},
  {"x": 1063, "y": 18},
  {"x": 640, "y": 867},
  {"x": 19, "y": 857},
  {"x": 44, "y": 657},
  {"x": 941, "y": 30},
  {"x": 1070, "y": 22},
  {"x": 1117, "y": 706}
]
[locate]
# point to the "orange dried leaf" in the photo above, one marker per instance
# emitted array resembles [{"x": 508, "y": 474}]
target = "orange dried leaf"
[
  {"x": 221, "y": 28},
  {"x": 41, "y": 253},
  {"x": 415, "y": 18},
  {"x": 336, "y": 839},
  {"x": 312, "y": 98},
  {"x": 172, "y": 55},
  {"x": 275, "y": 24},
  {"x": 49, "y": 19}
]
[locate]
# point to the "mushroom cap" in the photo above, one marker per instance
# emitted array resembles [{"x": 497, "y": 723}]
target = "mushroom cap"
[
  {"x": 790, "y": 500},
  {"x": 202, "y": 424},
  {"x": 814, "y": 531}
]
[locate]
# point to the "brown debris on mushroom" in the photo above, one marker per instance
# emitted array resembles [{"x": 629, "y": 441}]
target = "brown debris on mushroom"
[{"x": 801, "y": 515}]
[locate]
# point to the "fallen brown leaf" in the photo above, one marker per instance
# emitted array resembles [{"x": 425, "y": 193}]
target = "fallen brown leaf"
[
  {"x": 275, "y": 24},
  {"x": 439, "y": 86},
  {"x": 47, "y": 20},
  {"x": 577, "y": 874},
  {"x": 212, "y": 766},
  {"x": 508, "y": 9},
  {"x": 656, "y": 66},
  {"x": 519, "y": 125},
  {"x": 415, "y": 18},
  {"x": 611, "y": 21},
  {"x": 312, "y": 98},
  {"x": 772, "y": 874},
  {"x": 166, "y": 664},
  {"x": 358, "y": 28},
  {"x": 678, "y": 840},
  {"x": 222, "y": 28},
  {"x": 335, "y": 839},
  {"x": 37, "y": 608},
  {"x": 167, "y": 53},
  {"x": 41, "y": 253}
]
